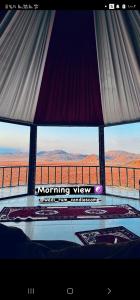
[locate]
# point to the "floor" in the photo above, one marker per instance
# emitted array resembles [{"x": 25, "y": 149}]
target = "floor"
[
  {"x": 124, "y": 192},
  {"x": 65, "y": 230},
  {"x": 118, "y": 191}
]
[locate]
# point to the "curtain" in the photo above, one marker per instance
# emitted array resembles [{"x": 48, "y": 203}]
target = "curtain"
[
  {"x": 5, "y": 18},
  {"x": 24, "y": 41},
  {"x": 118, "y": 50},
  {"x": 70, "y": 90}
]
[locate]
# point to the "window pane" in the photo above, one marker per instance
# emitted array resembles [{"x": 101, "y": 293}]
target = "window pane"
[
  {"x": 14, "y": 159},
  {"x": 69, "y": 155},
  {"x": 122, "y": 146}
]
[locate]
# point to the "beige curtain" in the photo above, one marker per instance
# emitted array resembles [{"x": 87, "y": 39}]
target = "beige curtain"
[
  {"x": 24, "y": 42},
  {"x": 118, "y": 46}
]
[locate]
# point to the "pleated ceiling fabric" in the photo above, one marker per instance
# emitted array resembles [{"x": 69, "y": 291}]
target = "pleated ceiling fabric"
[
  {"x": 5, "y": 18},
  {"x": 118, "y": 48},
  {"x": 3, "y": 13},
  {"x": 23, "y": 50},
  {"x": 70, "y": 67}
]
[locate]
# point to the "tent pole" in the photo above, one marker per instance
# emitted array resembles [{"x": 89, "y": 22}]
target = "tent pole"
[
  {"x": 32, "y": 160},
  {"x": 102, "y": 158}
]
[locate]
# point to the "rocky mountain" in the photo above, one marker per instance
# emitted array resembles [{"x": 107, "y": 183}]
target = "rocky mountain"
[
  {"x": 59, "y": 155},
  {"x": 121, "y": 157},
  {"x": 91, "y": 160},
  {"x": 114, "y": 158}
]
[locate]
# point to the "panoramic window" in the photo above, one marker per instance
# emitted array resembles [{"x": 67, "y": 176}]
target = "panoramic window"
[
  {"x": 122, "y": 156},
  {"x": 67, "y": 155},
  {"x": 14, "y": 159}
]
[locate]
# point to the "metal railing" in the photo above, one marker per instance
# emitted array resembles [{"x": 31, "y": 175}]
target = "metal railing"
[
  {"x": 122, "y": 176},
  {"x": 67, "y": 174},
  {"x": 11, "y": 176}
]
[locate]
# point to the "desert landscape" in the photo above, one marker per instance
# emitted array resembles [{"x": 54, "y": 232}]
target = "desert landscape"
[{"x": 59, "y": 166}]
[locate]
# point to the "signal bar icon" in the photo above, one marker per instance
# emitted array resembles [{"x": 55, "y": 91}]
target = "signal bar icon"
[{"x": 31, "y": 291}]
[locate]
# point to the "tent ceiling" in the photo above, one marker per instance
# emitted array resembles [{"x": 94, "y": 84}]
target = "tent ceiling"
[{"x": 70, "y": 67}]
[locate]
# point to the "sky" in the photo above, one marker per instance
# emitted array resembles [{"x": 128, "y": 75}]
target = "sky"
[{"x": 71, "y": 139}]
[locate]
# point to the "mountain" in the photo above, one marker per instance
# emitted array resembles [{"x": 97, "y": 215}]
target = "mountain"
[
  {"x": 114, "y": 157},
  {"x": 91, "y": 159},
  {"x": 9, "y": 151},
  {"x": 134, "y": 164},
  {"x": 121, "y": 157},
  {"x": 59, "y": 155}
]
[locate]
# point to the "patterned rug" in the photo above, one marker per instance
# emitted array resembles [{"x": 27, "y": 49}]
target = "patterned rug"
[
  {"x": 114, "y": 235},
  {"x": 35, "y": 213}
]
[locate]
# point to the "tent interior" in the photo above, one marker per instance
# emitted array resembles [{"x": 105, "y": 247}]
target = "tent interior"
[{"x": 69, "y": 69}]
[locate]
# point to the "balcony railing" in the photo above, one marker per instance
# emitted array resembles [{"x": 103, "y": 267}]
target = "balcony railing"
[{"x": 11, "y": 176}]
